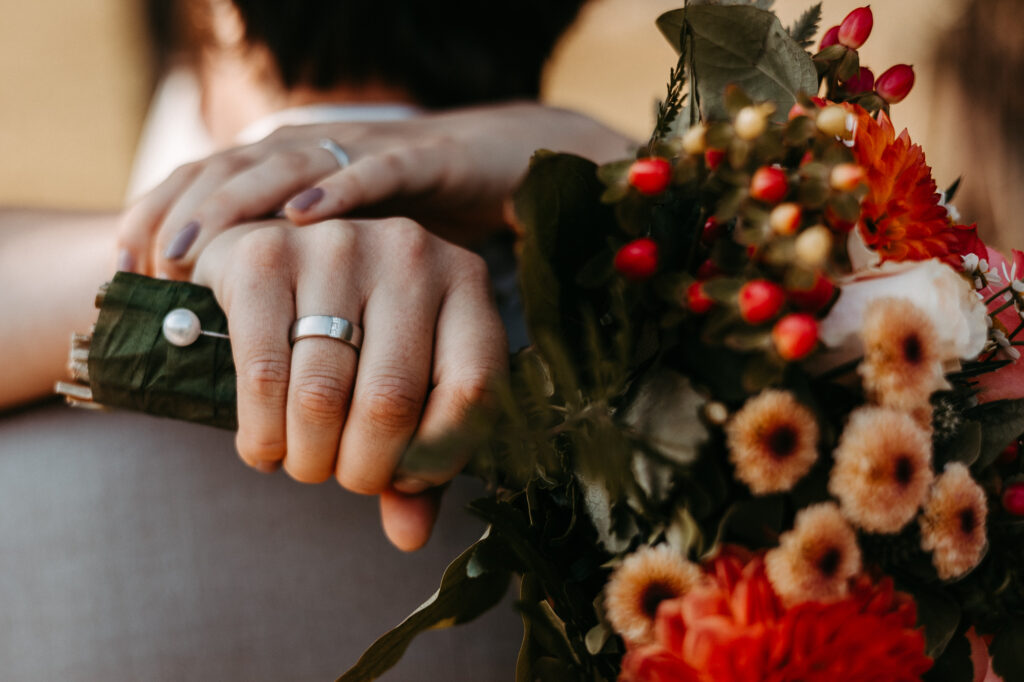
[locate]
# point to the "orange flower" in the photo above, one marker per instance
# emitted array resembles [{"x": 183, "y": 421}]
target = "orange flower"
[
  {"x": 901, "y": 217},
  {"x": 953, "y": 522}
]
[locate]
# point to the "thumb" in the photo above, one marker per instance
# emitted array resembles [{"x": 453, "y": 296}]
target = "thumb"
[{"x": 409, "y": 519}]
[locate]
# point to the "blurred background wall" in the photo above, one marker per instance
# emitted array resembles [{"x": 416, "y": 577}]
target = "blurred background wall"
[{"x": 75, "y": 78}]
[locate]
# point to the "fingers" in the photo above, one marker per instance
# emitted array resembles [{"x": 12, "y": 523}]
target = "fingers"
[
  {"x": 409, "y": 519},
  {"x": 323, "y": 369},
  {"x": 394, "y": 367},
  {"x": 222, "y": 197},
  {"x": 140, "y": 222}
]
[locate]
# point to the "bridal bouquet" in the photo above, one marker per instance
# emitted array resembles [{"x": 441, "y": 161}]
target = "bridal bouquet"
[{"x": 768, "y": 428}]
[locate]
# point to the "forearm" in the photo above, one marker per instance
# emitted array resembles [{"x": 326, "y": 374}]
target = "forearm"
[{"x": 51, "y": 264}]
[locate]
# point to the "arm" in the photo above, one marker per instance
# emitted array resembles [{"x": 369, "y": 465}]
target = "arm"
[{"x": 51, "y": 265}]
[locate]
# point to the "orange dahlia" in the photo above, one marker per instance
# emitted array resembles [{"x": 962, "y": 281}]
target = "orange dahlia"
[{"x": 901, "y": 215}]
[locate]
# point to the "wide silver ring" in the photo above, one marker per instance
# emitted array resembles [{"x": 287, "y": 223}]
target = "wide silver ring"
[
  {"x": 328, "y": 326},
  {"x": 336, "y": 151}
]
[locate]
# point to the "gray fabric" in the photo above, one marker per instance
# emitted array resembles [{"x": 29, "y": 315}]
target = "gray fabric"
[{"x": 136, "y": 548}]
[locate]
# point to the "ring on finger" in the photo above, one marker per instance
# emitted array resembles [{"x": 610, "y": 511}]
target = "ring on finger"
[
  {"x": 336, "y": 151},
  {"x": 327, "y": 326}
]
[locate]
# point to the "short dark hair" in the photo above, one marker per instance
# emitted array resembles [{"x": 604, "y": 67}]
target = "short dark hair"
[{"x": 444, "y": 52}]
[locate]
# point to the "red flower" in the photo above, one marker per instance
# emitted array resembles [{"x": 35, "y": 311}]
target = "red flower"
[
  {"x": 901, "y": 217},
  {"x": 737, "y": 630}
]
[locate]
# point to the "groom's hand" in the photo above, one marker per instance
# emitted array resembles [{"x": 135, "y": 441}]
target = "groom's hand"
[{"x": 432, "y": 344}]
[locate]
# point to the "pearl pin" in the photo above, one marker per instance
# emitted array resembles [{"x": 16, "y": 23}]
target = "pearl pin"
[{"x": 182, "y": 328}]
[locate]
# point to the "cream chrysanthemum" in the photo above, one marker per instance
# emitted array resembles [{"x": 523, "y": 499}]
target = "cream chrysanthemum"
[
  {"x": 773, "y": 442},
  {"x": 902, "y": 361},
  {"x": 815, "y": 560},
  {"x": 646, "y": 578},
  {"x": 882, "y": 469},
  {"x": 953, "y": 522}
]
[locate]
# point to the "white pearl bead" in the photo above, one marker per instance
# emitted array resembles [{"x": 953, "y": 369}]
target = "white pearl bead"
[{"x": 181, "y": 327}]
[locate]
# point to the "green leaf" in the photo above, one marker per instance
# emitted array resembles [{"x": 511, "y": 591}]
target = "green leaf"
[
  {"x": 743, "y": 46},
  {"x": 665, "y": 413},
  {"x": 1007, "y": 651},
  {"x": 954, "y": 665},
  {"x": 802, "y": 32},
  {"x": 1002, "y": 422},
  {"x": 964, "y": 447},
  {"x": 459, "y": 599},
  {"x": 937, "y": 611}
]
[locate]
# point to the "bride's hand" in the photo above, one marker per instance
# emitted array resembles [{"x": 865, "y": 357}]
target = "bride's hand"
[
  {"x": 453, "y": 169},
  {"x": 432, "y": 343}
]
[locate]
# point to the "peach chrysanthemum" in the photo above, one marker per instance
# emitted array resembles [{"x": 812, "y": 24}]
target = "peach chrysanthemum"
[
  {"x": 646, "y": 578},
  {"x": 902, "y": 363},
  {"x": 953, "y": 522},
  {"x": 815, "y": 560},
  {"x": 773, "y": 442},
  {"x": 882, "y": 469}
]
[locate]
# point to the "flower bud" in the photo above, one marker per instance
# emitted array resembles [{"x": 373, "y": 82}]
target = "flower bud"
[
  {"x": 750, "y": 123},
  {"x": 795, "y": 336},
  {"x": 835, "y": 120},
  {"x": 814, "y": 245},
  {"x": 638, "y": 259},
  {"x": 863, "y": 82},
  {"x": 846, "y": 177},
  {"x": 650, "y": 176},
  {"x": 830, "y": 38},
  {"x": 695, "y": 139},
  {"x": 856, "y": 28},
  {"x": 769, "y": 185},
  {"x": 895, "y": 84},
  {"x": 785, "y": 218}
]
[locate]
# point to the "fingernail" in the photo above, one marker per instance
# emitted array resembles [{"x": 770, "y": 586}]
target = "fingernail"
[
  {"x": 306, "y": 199},
  {"x": 410, "y": 485},
  {"x": 125, "y": 261},
  {"x": 162, "y": 275},
  {"x": 179, "y": 246}
]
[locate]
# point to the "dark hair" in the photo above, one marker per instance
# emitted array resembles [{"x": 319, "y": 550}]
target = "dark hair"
[{"x": 445, "y": 53}]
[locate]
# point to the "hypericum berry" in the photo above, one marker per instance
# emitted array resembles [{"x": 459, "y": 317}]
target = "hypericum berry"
[
  {"x": 815, "y": 298},
  {"x": 698, "y": 301},
  {"x": 785, "y": 218},
  {"x": 1010, "y": 453},
  {"x": 895, "y": 84},
  {"x": 1013, "y": 499},
  {"x": 814, "y": 245},
  {"x": 714, "y": 157},
  {"x": 862, "y": 82},
  {"x": 846, "y": 177},
  {"x": 830, "y": 38},
  {"x": 750, "y": 123},
  {"x": 695, "y": 139},
  {"x": 835, "y": 120},
  {"x": 650, "y": 176},
  {"x": 769, "y": 185},
  {"x": 637, "y": 260},
  {"x": 760, "y": 301},
  {"x": 711, "y": 231},
  {"x": 795, "y": 336},
  {"x": 856, "y": 27},
  {"x": 708, "y": 269}
]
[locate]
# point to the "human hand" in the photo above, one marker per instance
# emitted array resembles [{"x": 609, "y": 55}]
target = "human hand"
[
  {"x": 452, "y": 171},
  {"x": 433, "y": 342}
]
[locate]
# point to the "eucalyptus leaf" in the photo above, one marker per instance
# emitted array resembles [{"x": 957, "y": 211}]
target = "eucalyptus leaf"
[
  {"x": 665, "y": 413},
  {"x": 937, "y": 612},
  {"x": 743, "y": 46},
  {"x": 1002, "y": 422},
  {"x": 459, "y": 599}
]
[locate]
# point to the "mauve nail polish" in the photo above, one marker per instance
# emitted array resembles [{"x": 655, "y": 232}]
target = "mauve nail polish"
[
  {"x": 125, "y": 261},
  {"x": 305, "y": 200},
  {"x": 179, "y": 246}
]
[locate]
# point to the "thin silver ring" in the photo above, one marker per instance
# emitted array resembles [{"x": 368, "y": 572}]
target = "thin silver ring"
[
  {"x": 336, "y": 151},
  {"x": 328, "y": 326}
]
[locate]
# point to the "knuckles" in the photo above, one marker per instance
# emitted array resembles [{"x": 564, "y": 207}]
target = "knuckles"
[
  {"x": 321, "y": 400},
  {"x": 391, "y": 404}
]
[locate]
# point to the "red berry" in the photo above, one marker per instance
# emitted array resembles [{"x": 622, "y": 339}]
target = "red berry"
[
  {"x": 638, "y": 259},
  {"x": 698, "y": 301},
  {"x": 1010, "y": 453},
  {"x": 708, "y": 269},
  {"x": 895, "y": 84},
  {"x": 856, "y": 27},
  {"x": 760, "y": 300},
  {"x": 847, "y": 177},
  {"x": 862, "y": 82},
  {"x": 815, "y": 298},
  {"x": 714, "y": 157},
  {"x": 769, "y": 185},
  {"x": 795, "y": 336},
  {"x": 1013, "y": 499},
  {"x": 650, "y": 176},
  {"x": 711, "y": 232},
  {"x": 830, "y": 38}
]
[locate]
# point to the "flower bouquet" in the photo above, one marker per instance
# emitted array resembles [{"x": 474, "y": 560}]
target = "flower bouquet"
[{"x": 768, "y": 426}]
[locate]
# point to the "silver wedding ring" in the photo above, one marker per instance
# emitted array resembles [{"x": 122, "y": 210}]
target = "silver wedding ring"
[
  {"x": 328, "y": 326},
  {"x": 336, "y": 151}
]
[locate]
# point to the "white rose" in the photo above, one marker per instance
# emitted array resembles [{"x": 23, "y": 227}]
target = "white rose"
[{"x": 959, "y": 317}]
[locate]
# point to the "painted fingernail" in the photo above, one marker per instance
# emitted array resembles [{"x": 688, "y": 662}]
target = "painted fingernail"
[
  {"x": 181, "y": 243},
  {"x": 305, "y": 200},
  {"x": 125, "y": 261},
  {"x": 410, "y": 485}
]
